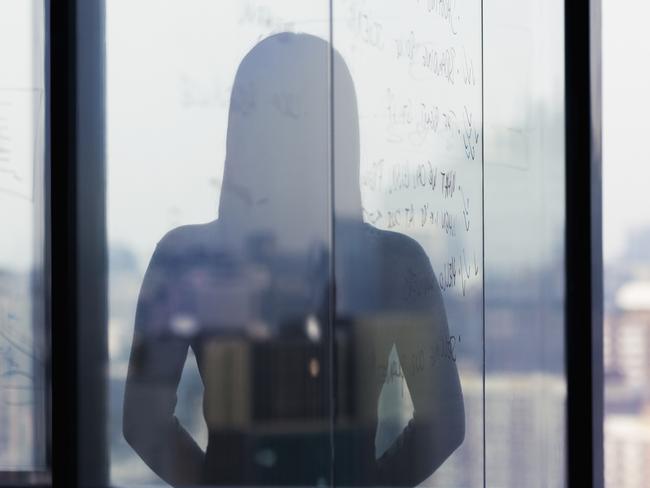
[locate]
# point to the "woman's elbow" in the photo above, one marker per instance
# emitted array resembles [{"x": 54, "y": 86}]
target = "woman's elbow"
[
  {"x": 141, "y": 422},
  {"x": 134, "y": 427}
]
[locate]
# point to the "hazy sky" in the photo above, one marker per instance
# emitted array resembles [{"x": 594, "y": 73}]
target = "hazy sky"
[{"x": 626, "y": 105}]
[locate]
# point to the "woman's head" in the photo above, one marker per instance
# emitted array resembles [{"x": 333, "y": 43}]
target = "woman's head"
[{"x": 284, "y": 135}]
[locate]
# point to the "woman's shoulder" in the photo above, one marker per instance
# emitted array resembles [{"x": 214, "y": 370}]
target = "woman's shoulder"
[
  {"x": 399, "y": 246},
  {"x": 187, "y": 240}
]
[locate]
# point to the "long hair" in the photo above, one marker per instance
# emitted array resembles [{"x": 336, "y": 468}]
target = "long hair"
[{"x": 293, "y": 124}]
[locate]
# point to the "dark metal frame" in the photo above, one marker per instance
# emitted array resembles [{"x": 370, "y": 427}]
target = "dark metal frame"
[
  {"x": 79, "y": 261},
  {"x": 584, "y": 263},
  {"x": 62, "y": 95},
  {"x": 78, "y": 264}
]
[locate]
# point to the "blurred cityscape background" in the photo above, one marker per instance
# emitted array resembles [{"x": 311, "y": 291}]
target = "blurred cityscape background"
[{"x": 627, "y": 364}]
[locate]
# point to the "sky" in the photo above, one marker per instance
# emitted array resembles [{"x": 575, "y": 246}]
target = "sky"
[{"x": 626, "y": 105}]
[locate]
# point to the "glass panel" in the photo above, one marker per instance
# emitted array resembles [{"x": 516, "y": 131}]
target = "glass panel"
[
  {"x": 408, "y": 243},
  {"x": 227, "y": 372},
  {"x": 525, "y": 386},
  {"x": 23, "y": 353},
  {"x": 296, "y": 235}
]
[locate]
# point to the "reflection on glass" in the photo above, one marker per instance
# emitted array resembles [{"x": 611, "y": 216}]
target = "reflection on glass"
[
  {"x": 250, "y": 295},
  {"x": 343, "y": 277}
]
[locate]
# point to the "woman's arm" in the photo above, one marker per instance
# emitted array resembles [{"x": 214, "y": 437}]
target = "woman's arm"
[
  {"x": 155, "y": 367},
  {"x": 438, "y": 424}
]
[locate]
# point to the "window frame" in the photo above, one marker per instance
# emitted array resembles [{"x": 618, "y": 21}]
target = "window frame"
[
  {"x": 583, "y": 244},
  {"x": 78, "y": 243}
]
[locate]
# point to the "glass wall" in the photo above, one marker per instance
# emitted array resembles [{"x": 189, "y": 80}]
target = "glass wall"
[
  {"x": 335, "y": 243},
  {"x": 525, "y": 385},
  {"x": 23, "y": 351},
  {"x": 409, "y": 261},
  {"x": 218, "y": 164}
]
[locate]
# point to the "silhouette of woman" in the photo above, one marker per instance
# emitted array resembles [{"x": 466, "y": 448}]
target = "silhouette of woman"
[{"x": 310, "y": 327}]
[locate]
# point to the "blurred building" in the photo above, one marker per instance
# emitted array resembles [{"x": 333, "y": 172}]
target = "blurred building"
[
  {"x": 524, "y": 416},
  {"x": 626, "y": 337},
  {"x": 627, "y": 451}
]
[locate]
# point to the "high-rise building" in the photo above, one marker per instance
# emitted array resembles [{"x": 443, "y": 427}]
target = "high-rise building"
[{"x": 627, "y": 451}]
